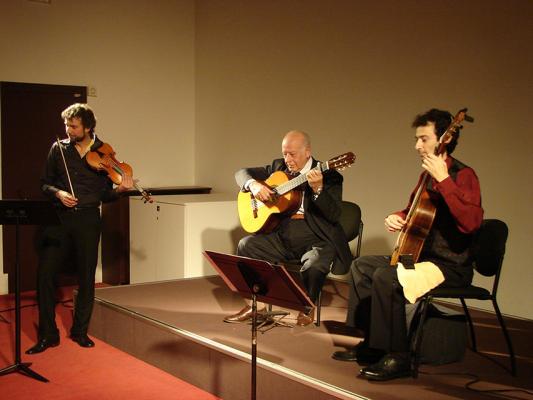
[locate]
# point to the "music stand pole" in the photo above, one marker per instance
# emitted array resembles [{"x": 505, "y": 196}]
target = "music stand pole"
[
  {"x": 19, "y": 366},
  {"x": 259, "y": 280},
  {"x": 255, "y": 289}
]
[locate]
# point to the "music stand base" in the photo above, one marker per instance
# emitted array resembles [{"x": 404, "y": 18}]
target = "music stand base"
[
  {"x": 272, "y": 322},
  {"x": 24, "y": 212},
  {"x": 23, "y": 368}
]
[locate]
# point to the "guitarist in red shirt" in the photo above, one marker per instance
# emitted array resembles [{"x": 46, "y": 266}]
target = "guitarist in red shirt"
[
  {"x": 377, "y": 293},
  {"x": 311, "y": 234}
]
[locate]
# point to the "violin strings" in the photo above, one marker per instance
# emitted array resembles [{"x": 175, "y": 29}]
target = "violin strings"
[
  {"x": 117, "y": 168},
  {"x": 114, "y": 165}
]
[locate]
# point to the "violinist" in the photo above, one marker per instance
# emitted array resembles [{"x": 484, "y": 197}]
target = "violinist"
[
  {"x": 378, "y": 291},
  {"x": 76, "y": 190}
]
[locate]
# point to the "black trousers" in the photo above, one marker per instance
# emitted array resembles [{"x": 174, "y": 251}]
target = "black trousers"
[
  {"x": 377, "y": 304},
  {"x": 73, "y": 243},
  {"x": 293, "y": 240}
]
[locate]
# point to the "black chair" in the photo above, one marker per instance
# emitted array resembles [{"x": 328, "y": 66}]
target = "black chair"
[
  {"x": 352, "y": 225},
  {"x": 488, "y": 260}
]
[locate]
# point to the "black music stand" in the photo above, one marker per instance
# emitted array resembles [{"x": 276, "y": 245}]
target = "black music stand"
[
  {"x": 259, "y": 280},
  {"x": 24, "y": 212}
]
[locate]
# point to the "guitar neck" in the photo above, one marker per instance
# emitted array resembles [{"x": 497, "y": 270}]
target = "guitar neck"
[
  {"x": 418, "y": 194},
  {"x": 297, "y": 181}
]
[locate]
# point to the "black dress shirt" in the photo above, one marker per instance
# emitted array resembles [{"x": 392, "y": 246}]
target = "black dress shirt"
[{"x": 91, "y": 187}]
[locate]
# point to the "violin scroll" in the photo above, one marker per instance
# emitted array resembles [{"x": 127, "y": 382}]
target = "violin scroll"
[{"x": 147, "y": 197}]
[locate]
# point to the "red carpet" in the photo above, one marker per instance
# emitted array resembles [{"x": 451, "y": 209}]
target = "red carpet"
[{"x": 102, "y": 372}]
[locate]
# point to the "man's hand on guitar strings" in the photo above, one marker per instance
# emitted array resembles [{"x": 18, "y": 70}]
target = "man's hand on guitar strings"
[
  {"x": 261, "y": 192},
  {"x": 315, "y": 180},
  {"x": 394, "y": 223}
]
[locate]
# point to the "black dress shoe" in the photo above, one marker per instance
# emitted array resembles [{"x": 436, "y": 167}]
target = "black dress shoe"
[
  {"x": 83, "y": 340},
  {"x": 348, "y": 355},
  {"x": 391, "y": 366},
  {"x": 361, "y": 354},
  {"x": 42, "y": 345}
]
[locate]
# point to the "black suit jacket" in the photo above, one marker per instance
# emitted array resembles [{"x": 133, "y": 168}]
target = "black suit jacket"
[{"x": 322, "y": 214}]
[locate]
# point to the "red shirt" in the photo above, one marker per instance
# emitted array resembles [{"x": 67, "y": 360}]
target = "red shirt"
[{"x": 463, "y": 197}]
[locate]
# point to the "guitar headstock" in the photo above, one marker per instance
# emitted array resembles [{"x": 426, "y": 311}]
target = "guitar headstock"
[
  {"x": 341, "y": 162},
  {"x": 452, "y": 129}
]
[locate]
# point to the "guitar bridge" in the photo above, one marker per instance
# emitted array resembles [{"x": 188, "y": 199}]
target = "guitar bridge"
[{"x": 253, "y": 203}]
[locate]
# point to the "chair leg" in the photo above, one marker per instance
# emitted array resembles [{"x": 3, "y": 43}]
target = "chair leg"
[
  {"x": 318, "y": 308},
  {"x": 470, "y": 325},
  {"x": 417, "y": 342},
  {"x": 507, "y": 337}
]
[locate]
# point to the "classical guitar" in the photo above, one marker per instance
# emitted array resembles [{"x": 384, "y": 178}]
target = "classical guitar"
[
  {"x": 257, "y": 216},
  {"x": 422, "y": 211}
]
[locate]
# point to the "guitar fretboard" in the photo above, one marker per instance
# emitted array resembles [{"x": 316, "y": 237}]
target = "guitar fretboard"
[{"x": 297, "y": 181}]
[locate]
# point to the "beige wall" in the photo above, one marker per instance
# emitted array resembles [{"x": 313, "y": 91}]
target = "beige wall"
[
  {"x": 138, "y": 54},
  {"x": 192, "y": 90},
  {"x": 354, "y": 74}
]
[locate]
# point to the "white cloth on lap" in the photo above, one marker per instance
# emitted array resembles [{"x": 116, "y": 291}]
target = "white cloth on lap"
[{"x": 420, "y": 280}]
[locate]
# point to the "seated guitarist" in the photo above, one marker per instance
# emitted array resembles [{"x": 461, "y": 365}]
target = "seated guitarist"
[
  {"x": 378, "y": 291},
  {"x": 312, "y": 234}
]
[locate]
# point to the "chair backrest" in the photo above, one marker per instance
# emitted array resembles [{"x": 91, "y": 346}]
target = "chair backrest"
[
  {"x": 350, "y": 219},
  {"x": 490, "y": 247}
]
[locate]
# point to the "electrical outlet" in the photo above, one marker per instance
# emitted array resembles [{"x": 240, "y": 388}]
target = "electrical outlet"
[{"x": 91, "y": 91}]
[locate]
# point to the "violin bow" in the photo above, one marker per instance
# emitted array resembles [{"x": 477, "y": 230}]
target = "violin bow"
[{"x": 66, "y": 168}]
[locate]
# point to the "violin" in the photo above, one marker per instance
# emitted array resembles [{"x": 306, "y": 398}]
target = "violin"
[
  {"x": 422, "y": 212},
  {"x": 103, "y": 159}
]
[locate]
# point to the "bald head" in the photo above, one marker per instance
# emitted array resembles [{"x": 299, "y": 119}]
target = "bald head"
[
  {"x": 296, "y": 149},
  {"x": 298, "y": 136}
]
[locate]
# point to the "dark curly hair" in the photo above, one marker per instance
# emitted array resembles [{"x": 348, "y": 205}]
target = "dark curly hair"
[
  {"x": 442, "y": 120},
  {"x": 83, "y": 112}
]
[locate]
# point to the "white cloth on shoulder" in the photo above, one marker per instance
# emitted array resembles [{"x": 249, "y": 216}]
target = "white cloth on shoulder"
[{"x": 420, "y": 280}]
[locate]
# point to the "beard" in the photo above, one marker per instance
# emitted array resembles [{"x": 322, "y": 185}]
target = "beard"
[{"x": 81, "y": 138}]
